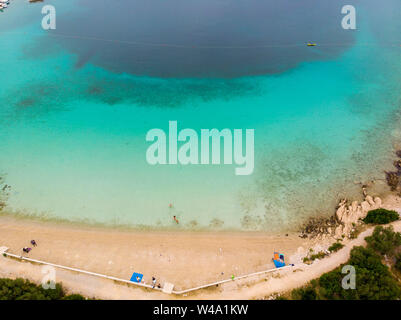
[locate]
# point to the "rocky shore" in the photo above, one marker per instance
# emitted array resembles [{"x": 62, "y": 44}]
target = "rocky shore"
[
  {"x": 349, "y": 214},
  {"x": 343, "y": 223}
]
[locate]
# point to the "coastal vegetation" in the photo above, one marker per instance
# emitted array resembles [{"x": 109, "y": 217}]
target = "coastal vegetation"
[
  {"x": 375, "y": 268},
  {"x": 397, "y": 264},
  {"x": 335, "y": 247},
  {"x": 384, "y": 240},
  {"x": 314, "y": 256},
  {"x": 21, "y": 289},
  {"x": 321, "y": 254},
  {"x": 381, "y": 216}
]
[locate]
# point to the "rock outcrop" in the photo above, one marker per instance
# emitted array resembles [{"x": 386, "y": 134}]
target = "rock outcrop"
[
  {"x": 349, "y": 215},
  {"x": 343, "y": 223}
]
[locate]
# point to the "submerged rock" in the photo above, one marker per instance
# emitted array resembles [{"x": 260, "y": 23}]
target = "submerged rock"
[
  {"x": 397, "y": 164},
  {"x": 392, "y": 179}
]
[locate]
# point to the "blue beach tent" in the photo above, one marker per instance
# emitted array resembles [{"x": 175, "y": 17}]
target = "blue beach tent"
[
  {"x": 136, "y": 277},
  {"x": 278, "y": 260}
]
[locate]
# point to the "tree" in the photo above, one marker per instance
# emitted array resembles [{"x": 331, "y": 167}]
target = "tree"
[
  {"x": 373, "y": 281},
  {"x": 20, "y": 289},
  {"x": 384, "y": 240}
]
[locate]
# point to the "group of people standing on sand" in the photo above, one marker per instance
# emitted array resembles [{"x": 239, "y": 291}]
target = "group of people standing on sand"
[
  {"x": 154, "y": 283},
  {"x": 27, "y": 249}
]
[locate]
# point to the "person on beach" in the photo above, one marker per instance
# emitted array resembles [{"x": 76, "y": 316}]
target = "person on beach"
[
  {"x": 33, "y": 242},
  {"x": 154, "y": 282},
  {"x": 26, "y": 250},
  {"x": 175, "y": 219}
]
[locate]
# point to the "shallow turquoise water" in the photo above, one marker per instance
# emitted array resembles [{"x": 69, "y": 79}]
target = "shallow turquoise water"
[{"x": 72, "y": 139}]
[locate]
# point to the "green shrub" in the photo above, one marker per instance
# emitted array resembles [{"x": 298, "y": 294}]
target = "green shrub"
[
  {"x": 384, "y": 240},
  {"x": 373, "y": 281},
  {"x": 315, "y": 256},
  {"x": 74, "y": 297},
  {"x": 335, "y": 247},
  {"x": 381, "y": 216},
  {"x": 20, "y": 289},
  {"x": 319, "y": 255},
  {"x": 397, "y": 264},
  {"x": 305, "y": 293}
]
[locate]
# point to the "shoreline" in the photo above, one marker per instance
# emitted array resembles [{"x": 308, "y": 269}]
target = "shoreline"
[{"x": 84, "y": 224}]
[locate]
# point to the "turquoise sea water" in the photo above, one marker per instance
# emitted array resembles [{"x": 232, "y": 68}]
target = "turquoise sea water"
[{"x": 75, "y": 112}]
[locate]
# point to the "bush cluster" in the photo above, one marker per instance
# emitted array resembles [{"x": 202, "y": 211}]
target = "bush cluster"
[
  {"x": 336, "y": 246},
  {"x": 384, "y": 240},
  {"x": 397, "y": 264},
  {"x": 381, "y": 216},
  {"x": 20, "y": 289}
]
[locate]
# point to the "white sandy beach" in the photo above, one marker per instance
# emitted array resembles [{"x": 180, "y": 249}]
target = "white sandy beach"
[{"x": 186, "y": 259}]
